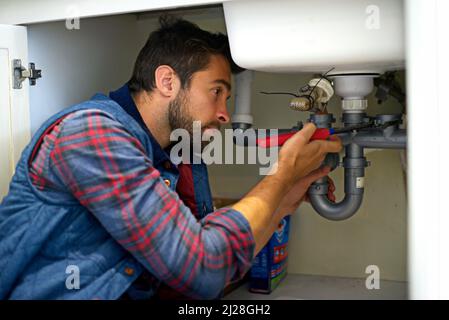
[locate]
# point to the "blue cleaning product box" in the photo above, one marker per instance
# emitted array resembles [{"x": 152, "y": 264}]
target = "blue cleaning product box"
[{"x": 270, "y": 265}]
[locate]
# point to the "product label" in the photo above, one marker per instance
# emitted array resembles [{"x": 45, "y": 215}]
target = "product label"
[{"x": 360, "y": 182}]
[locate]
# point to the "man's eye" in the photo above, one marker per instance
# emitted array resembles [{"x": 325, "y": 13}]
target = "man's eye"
[{"x": 217, "y": 91}]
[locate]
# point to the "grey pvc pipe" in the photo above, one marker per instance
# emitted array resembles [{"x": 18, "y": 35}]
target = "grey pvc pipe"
[
  {"x": 354, "y": 164},
  {"x": 341, "y": 210},
  {"x": 396, "y": 139},
  {"x": 242, "y": 118},
  {"x": 336, "y": 211}
]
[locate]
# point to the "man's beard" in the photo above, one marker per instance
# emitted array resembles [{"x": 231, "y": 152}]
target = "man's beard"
[{"x": 179, "y": 117}]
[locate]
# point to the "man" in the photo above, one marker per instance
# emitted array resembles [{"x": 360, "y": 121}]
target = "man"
[{"x": 96, "y": 209}]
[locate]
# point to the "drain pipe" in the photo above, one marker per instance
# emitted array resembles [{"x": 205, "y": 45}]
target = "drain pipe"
[
  {"x": 242, "y": 118},
  {"x": 353, "y": 89},
  {"x": 354, "y": 164},
  {"x": 391, "y": 137}
]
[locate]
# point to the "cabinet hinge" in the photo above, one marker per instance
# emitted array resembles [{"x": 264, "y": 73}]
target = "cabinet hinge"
[{"x": 21, "y": 73}]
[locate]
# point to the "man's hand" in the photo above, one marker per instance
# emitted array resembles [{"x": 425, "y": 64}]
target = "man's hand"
[
  {"x": 297, "y": 159},
  {"x": 298, "y": 193}
]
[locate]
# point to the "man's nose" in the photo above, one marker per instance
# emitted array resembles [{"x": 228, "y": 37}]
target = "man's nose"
[{"x": 222, "y": 114}]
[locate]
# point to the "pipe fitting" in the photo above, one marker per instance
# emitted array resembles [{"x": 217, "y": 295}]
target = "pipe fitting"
[
  {"x": 322, "y": 120},
  {"x": 352, "y": 86}
]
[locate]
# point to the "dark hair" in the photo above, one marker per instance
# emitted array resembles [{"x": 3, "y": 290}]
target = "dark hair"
[{"x": 183, "y": 46}]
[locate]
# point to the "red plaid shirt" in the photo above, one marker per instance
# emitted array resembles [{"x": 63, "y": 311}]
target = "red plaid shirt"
[{"x": 94, "y": 158}]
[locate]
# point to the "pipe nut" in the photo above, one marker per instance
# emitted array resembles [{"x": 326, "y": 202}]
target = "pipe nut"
[{"x": 354, "y": 105}]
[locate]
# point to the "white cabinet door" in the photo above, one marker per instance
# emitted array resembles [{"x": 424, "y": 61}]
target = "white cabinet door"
[
  {"x": 427, "y": 88},
  {"x": 14, "y": 103}
]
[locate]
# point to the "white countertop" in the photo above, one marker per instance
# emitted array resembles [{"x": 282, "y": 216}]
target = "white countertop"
[{"x": 299, "y": 287}]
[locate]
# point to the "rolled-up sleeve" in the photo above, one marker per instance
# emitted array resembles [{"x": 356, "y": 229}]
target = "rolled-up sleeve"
[{"x": 107, "y": 170}]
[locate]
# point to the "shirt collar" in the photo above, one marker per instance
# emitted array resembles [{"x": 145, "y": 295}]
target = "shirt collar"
[{"x": 123, "y": 97}]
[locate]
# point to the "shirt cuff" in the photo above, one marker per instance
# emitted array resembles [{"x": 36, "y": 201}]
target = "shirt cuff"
[{"x": 241, "y": 238}]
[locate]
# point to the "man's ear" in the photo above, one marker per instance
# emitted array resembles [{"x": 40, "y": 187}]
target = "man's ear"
[{"x": 166, "y": 81}]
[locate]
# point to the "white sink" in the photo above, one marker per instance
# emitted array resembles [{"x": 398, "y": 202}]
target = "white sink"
[{"x": 313, "y": 36}]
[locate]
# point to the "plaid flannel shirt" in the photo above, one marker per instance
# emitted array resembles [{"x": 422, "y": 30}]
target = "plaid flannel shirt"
[{"x": 93, "y": 157}]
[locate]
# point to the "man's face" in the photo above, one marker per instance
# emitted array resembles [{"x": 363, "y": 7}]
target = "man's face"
[{"x": 205, "y": 99}]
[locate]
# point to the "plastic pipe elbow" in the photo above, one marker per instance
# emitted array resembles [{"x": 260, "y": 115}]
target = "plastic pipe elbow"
[{"x": 336, "y": 211}]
